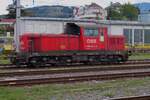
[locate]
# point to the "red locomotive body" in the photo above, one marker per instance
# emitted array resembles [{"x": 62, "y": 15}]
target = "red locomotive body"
[
  {"x": 50, "y": 42},
  {"x": 77, "y": 44},
  {"x": 46, "y": 43}
]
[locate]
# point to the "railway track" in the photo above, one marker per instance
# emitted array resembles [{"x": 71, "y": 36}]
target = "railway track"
[
  {"x": 70, "y": 75},
  {"x": 146, "y": 97},
  {"x": 64, "y": 78},
  {"x": 40, "y": 71},
  {"x": 30, "y": 76},
  {"x": 11, "y": 66}
]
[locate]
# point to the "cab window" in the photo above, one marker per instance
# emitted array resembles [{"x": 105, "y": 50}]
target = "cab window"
[
  {"x": 72, "y": 29},
  {"x": 91, "y": 32}
]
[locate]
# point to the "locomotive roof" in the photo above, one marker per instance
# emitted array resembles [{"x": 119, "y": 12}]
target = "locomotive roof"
[{"x": 92, "y": 25}]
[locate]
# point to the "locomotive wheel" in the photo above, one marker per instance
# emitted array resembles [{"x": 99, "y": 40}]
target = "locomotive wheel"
[
  {"x": 13, "y": 61},
  {"x": 34, "y": 62},
  {"x": 16, "y": 62}
]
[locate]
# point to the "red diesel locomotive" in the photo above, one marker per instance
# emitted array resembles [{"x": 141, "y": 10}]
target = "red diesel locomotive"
[{"x": 84, "y": 44}]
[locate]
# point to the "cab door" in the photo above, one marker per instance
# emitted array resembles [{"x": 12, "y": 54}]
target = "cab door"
[
  {"x": 103, "y": 38},
  {"x": 89, "y": 38}
]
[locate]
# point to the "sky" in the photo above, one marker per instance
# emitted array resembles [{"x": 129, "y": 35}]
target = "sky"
[{"x": 29, "y": 3}]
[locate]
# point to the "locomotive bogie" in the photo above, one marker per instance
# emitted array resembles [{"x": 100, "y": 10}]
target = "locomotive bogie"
[{"x": 69, "y": 57}]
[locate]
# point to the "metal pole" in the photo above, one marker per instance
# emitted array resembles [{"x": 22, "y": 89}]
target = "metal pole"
[
  {"x": 143, "y": 36},
  {"x": 17, "y": 33},
  {"x": 133, "y": 30}
]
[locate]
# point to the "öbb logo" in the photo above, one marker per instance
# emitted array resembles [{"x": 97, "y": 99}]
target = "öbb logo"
[{"x": 91, "y": 40}]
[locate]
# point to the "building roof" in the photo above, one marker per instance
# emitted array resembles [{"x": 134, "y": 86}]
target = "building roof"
[
  {"x": 94, "y": 5},
  {"x": 103, "y": 22},
  {"x": 143, "y": 7},
  {"x": 8, "y": 20},
  {"x": 55, "y": 11}
]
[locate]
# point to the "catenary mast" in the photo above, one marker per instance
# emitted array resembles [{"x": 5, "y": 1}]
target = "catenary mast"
[{"x": 18, "y": 15}]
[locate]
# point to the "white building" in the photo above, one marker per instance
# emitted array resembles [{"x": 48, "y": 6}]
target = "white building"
[
  {"x": 92, "y": 11},
  {"x": 144, "y": 8},
  {"x": 137, "y": 33},
  {"x": 144, "y": 17}
]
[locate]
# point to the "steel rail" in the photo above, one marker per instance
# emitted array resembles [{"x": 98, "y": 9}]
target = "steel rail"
[
  {"x": 66, "y": 79},
  {"x": 70, "y": 70},
  {"x": 145, "y": 97},
  {"x": 11, "y": 66}
]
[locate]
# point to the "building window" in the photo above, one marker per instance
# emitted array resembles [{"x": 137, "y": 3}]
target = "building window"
[
  {"x": 147, "y": 36},
  {"x": 138, "y": 36},
  {"x": 128, "y": 35},
  {"x": 91, "y": 32}
]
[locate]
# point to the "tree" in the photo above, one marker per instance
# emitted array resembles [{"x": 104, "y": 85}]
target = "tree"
[
  {"x": 114, "y": 15},
  {"x": 123, "y": 12},
  {"x": 12, "y": 12},
  {"x": 129, "y": 12}
]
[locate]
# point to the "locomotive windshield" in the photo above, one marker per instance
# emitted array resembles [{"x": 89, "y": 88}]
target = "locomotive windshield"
[{"x": 91, "y": 32}]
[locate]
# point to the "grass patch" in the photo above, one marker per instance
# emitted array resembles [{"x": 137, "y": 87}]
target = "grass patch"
[
  {"x": 139, "y": 56},
  {"x": 4, "y": 59},
  {"x": 109, "y": 94},
  {"x": 59, "y": 91}
]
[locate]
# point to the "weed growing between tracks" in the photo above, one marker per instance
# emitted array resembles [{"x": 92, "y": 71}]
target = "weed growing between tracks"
[
  {"x": 78, "y": 91},
  {"x": 4, "y": 59},
  {"x": 137, "y": 56}
]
